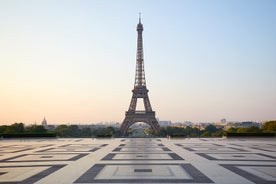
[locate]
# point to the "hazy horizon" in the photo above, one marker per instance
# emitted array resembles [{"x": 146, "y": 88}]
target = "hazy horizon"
[{"x": 74, "y": 61}]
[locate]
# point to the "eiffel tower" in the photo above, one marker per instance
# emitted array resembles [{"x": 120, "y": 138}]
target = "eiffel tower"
[{"x": 140, "y": 91}]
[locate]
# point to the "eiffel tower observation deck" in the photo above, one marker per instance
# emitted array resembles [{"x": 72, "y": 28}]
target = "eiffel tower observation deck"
[{"x": 140, "y": 91}]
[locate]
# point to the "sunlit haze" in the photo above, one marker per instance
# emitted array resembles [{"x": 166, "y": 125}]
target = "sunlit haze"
[{"x": 74, "y": 61}]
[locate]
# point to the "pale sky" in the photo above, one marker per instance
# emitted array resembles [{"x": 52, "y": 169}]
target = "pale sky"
[{"x": 74, "y": 61}]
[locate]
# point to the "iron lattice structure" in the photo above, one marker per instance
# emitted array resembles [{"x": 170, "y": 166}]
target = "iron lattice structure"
[{"x": 140, "y": 91}]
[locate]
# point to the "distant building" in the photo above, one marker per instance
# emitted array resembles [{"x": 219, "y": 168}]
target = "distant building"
[
  {"x": 223, "y": 120},
  {"x": 247, "y": 124},
  {"x": 244, "y": 124},
  {"x": 44, "y": 123},
  {"x": 164, "y": 123}
]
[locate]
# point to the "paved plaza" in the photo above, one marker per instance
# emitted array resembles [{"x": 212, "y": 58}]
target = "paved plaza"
[{"x": 138, "y": 160}]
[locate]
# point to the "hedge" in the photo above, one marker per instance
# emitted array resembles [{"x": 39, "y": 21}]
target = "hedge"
[
  {"x": 250, "y": 134},
  {"x": 29, "y": 135}
]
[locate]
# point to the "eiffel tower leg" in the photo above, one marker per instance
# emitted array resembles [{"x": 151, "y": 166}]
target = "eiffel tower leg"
[
  {"x": 154, "y": 125},
  {"x": 147, "y": 104},
  {"x": 125, "y": 125},
  {"x": 133, "y": 104}
]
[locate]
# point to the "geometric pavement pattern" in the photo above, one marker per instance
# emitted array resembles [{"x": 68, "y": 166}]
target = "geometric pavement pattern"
[{"x": 138, "y": 160}]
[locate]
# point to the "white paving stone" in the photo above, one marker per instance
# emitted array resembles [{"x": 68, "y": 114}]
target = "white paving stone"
[{"x": 120, "y": 160}]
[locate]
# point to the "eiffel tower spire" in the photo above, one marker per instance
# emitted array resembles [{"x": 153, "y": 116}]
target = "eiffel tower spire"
[
  {"x": 140, "y": 79},
  {"x": 140, "y": 91}
]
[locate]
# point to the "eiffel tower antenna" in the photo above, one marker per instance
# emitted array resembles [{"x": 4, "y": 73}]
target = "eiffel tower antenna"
[{"x": 140, "y": 91}]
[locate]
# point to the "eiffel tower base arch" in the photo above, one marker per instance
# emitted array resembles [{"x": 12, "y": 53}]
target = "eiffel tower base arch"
[{"x": 145, "y": 117}]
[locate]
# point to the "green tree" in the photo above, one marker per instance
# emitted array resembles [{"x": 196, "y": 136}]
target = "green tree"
[
  {"x": 3, "y": 128},
  {"x": 86, "y": 132},
  {"x": 110, "y": 131},
  {"x": 61, "y": 130},
  {"x": 36, "y": 129},
  {"x": 269, "y": 126},
  {"x": 73, "y": 131},
  {"x": 105, "y": 132},
  {"x": 130, "y": 131},
  {"x": 68, "y": 131},
  {"x": 205, "y": 134},
  {"x": 218, "y": 134},
  {"x": 179, "y": 131},
  {"x": 15, "y": 128},
  {"x": 163, "y": 132},
  {"x": 193, "y": 132},
  {"x": 148, "y": 131},
  {"x": 211, "y": 129},
  {"x": 252, "y": 129},
  {"x": 232, "y": 130}
]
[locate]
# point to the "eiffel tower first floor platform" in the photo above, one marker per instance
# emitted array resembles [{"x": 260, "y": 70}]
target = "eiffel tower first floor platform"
[{"x": 140, "y": 116}]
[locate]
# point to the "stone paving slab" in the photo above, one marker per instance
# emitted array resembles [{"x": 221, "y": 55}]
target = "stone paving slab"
[{"x": 140, "y": 160}]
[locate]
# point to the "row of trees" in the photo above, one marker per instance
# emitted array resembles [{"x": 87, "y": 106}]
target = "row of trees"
[
  {"x": 212, "y": 131},
  {"x": 268, "y": 127},
  {"x": 75, "y": 131},
  {"x": 209, "y": 131},
  {"x": 19, "y": 128},
  {"x": 61, "y": 131}
]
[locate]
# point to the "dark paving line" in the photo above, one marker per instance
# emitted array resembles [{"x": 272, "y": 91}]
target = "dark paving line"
[
  {"x": 197, "y": 176},
  {"x": 205, "y": 155},
  {"x": 37, "y": 176},
  {"x": 234, "y": 168},
  {"x": 74, "y": 158},
  {"x": 110, "y": 156}
]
